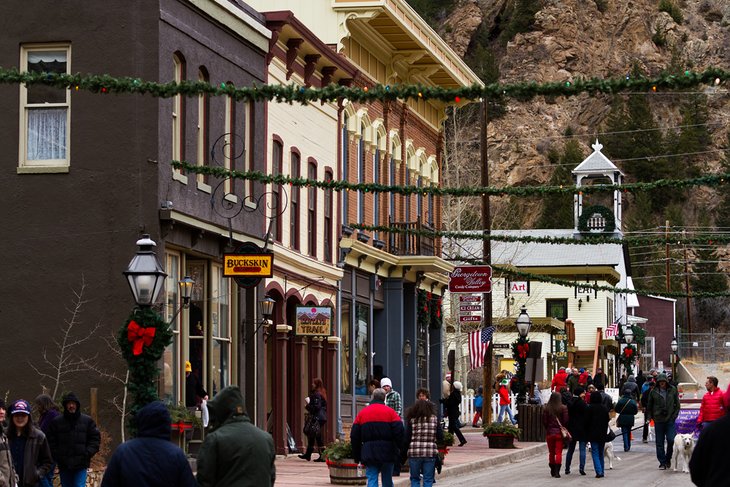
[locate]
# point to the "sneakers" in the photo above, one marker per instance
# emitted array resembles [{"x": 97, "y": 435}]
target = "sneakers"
[{"x": 662, "y": 466}]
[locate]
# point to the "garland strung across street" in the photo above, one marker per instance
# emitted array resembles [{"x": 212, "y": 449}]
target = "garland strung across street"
[
  {"x": 105, "y": 83},
  {"x": 590, "y": 239},
  {"x": 711, "y": 180}
]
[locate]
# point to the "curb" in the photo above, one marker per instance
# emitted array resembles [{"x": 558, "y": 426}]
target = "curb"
[{"x": 512, "y": 457}]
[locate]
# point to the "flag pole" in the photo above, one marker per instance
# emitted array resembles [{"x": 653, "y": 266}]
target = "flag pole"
[{"x": 487, "y": 257}]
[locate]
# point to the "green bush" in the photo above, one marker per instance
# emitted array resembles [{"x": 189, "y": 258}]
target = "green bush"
[
  {"x": 504, "y": 428},
  {"x": 672, "y": 9},
  {"x": 338, "y": 451},
  {"x": 602, "y": 5},
  {"x": 447, "y": 441}
]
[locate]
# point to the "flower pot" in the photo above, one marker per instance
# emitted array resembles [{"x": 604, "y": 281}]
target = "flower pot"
[
  {"x": 344, "y": 472},
  {"x": 501, "y": 441}
]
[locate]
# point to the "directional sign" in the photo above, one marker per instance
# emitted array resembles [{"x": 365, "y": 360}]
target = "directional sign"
[
  {"x": 470, "y": 318},
  {"x": 470, "y": 307},
  {"x": 475, "y": 298}
]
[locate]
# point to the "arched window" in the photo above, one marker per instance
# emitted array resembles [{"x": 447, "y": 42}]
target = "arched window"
[
  {"x": 229, "y": 149},
  {"x": 203, "y": 126},
  {"x": 328, "y": 206},
  {"x": 344, "y": 142},
  {"x": 294, "y": 217},
  {"x": 312, "y": 208},
  {"x": 376, "y": 180},
  {"x": 178, "y": 116},
  {"x": 277, "y": 163},
  {"x": 361, "y": 174}
]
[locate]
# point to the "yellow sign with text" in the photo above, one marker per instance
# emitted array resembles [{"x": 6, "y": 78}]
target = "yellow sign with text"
[{"x": 248, "y": 265}]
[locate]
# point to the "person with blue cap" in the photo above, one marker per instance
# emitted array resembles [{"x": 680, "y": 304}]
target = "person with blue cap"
[{"x": 28, "y": 446}]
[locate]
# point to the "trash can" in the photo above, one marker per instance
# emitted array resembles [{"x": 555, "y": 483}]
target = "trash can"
[{"x": 530, "y": 422}]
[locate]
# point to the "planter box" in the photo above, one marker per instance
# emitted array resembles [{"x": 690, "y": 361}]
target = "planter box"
[
  {"x": 501, "y": 441},
  {"x": 344, "y": 472}
]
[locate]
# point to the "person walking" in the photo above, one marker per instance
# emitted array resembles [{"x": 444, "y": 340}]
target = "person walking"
[
  {"x": 453, "y": 411},
  {"x": 28, "y": 446},
  {"x": 600, "y": 379},
  {"x": 707, "y": 466},
  {"x": 195, "y": 394},
  {"x": 559, "y": 380},
  {"x": 626, "y": 407},
  {"x": 585, "y": 379},
  {"x": 576, "y": 425},
  {"x": 712, "y": 407},
  {"x": 317, "y": 409},
  {"x": 150, "y": 459},
  {"x": 422, "y": 433},
  {"x": 554, "y": 417},
  {"x": 633, "y": 388},
  {"x": 7, "y": 471},
  {"x": 572, "y": 381},
  {"x": 649, "y": 384},
  {"x": 392, "y": 397},
  {"x": 48, "y": 411},
  {"x": 478, "y": 403},
  {"x": 505, "y": 405},
  {"x": 235, "y": 453},
  {"x": 376, "y": 437},
  {"x": 596, "y": 425},
  {"x": 74, "y": 440},
  {"x": 663, "y": 408}
]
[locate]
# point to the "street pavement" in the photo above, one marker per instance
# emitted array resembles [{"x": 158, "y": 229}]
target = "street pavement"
[{"x": 295, "y": 472}]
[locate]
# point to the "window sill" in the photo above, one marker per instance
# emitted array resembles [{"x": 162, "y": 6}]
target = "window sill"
[
  {"x": 231, "y": 197},
  {"x": 43, "y": 169},
  {"x": 204, "y": 187},
  {"x": 176, "y": 176}
]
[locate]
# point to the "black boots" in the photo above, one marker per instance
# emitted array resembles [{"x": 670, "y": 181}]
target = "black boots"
[
  {"x": 555, "y": 470},
  {"x": 307, "y": 457}
]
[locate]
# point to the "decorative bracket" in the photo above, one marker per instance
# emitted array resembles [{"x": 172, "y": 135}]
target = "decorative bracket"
[
  {"x": 310, "y": 65},
  {"x": 293, "y": 46}
]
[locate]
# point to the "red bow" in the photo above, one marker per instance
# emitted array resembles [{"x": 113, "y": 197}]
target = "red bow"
[
  {"x": 140, "y": 336},
  {"x": 523, "y": 349},
  {"x": 628, "y": 352}
]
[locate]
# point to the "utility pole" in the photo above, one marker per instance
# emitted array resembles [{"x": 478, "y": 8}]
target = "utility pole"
[
  {"x": 487, "y": 258},
  {"x": 686, "y": 288},
  {"x": 666, "y": 265}
]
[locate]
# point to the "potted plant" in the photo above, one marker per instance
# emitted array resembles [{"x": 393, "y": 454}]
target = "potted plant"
[
  {"x": 443, "y": 445},
  {"x": 342, "y": 467},
  {"x": 501, "y": 435},
  {"x": 182, "y": 419}
]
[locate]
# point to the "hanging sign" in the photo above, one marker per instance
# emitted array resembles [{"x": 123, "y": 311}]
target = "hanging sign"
[
  {"x": 471, "y": 279},
  {"x": 248, "y": 264},
  {"x": 518, "y": 287},
  {"x": 313, "y": 321}
]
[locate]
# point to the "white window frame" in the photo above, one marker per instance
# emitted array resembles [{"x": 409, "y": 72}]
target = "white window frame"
[
  {"x": 42, "y": 165},
  {"x": 203, "y": 121},
  {"x": 178, "y": 116},
  {"x": 224, "y": 337}
]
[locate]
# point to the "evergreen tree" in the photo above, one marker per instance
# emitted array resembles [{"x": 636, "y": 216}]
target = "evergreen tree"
[
  {"x": 557, "y": 210},
  {"x": 723, "y": 208}
]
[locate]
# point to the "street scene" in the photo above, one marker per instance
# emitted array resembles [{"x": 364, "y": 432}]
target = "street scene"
[{"x": 349, "y": 242}]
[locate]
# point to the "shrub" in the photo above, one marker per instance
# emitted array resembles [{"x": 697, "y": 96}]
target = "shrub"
[
  {"x": 447, "y": 441},
  {"x": 672, "y": 9},
  {"x": 504, "y": 428},
  {"x": 338, "y": 451},
  {"x": 601, "y": 5}
]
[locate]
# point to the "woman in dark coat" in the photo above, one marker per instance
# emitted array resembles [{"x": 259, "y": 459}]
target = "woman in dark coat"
[
  {"x": 317, "y": 409},
  {"x": 626, "y": 408},
  {"x": 576, "y": 425},
  {"x": 28, "y": 446},
  {"x": 554, "y": 416},
  {"x": 453, "y": 405},
  {"x": 48, "y": 411},
  {"x": 596, "y": 425}
]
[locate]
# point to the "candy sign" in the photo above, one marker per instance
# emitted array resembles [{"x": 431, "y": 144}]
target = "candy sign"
[{"x": 471, "y": 279}]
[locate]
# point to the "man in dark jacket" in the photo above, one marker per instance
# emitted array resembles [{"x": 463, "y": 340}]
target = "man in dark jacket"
[
  {"x": 600, "y": 380},
  {"x": 707, "y": 466},
  {"x": 576, "y": 425},
  {"x": 376, "y": 437},
  {"x": 663, "y": 408},
  {"x": 74, "y": 439},
  {"x": 150, "y": 459},
  {"x": 235, "y": 453}
]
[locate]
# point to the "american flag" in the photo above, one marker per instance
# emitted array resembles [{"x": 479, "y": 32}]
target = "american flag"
[
  {"x": 478, "y": 343},
  {"x": 611, "y": 330}
]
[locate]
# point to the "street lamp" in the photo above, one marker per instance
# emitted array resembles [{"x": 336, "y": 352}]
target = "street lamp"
[
  {"x": 266, "y": 308},
  {"x": 523, "y": 322},
  {"x": 674, "y": 345},
  {"x": 145, "y": 274},
  {"x": 186, "y": 290},
  {"x": 629, "y": 334}
]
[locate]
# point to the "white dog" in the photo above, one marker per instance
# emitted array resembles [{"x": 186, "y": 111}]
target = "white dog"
[
  {"x": 609, "y": 455},
  {"x": 683, "y": 447}
]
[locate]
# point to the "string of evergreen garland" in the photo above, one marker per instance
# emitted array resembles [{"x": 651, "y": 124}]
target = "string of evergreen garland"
[
  {"x": 711, "y": 180},
  {"x": 521, "y": 360},
  {"x": 144, "y": 368},
  {"x": 707, "y": 239},
  {"x": 104, "y": 83},
  {"x": 627, "y": 357}
]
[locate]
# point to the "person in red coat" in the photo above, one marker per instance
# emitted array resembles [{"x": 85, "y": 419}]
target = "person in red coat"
[
  {"x": 555, "y": 415},
  {"x": 505, "y": 405},
  {"x": 712, "y": 406},
  {"x": 559, "y": 380}
]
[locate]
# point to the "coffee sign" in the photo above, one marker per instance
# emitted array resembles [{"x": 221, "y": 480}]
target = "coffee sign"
[{"x": 471, "y": 279}]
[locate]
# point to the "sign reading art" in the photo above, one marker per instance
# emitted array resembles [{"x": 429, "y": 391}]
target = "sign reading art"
[
  {"x": 471, "y": 279},
  {"x": 313, "y": 321}
]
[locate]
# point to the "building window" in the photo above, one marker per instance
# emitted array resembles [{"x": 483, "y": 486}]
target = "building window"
[
  {"x": 430, "y": 210},
  {"x": 203, "y": 129},
  {"x": 557, "y": 308},
  {"x": 312, "y": 209},
  {"x": 45, "y": 111},
  {"x": 419, "y": 200},
  {"x": 178, "y": 118},
  {"x": 346, "y": 347},
  {"x": 345, "y": 169},
  {"x": 230, "y": 140},
  {"x": 361, "y": 175},
  {"x": 170, "y": 364},
  {"x": 328, "y": 205},
  {"x": 376, "y": 180},
  {"x": 295, "y": 192},
  {"x": 220, "y": 330},
  {"x": 247, "y": 150},
  {"x": 362, "y": 348},
  {"x": 277, "y": 162},
  {"x": 198, "y": 323}
]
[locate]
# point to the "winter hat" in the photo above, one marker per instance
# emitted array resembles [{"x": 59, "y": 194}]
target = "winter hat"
[
  {"x": 661, "y": 377},
  {"x": 582, "y": 370},
  {"x": 504, "y": 382},
  {"x": 561, "y": 368},
  {"x": 188, "y": 366},
  {"x": 457, "y": 385},
  {"x": 578, "y": 391},
  {"x": 386, "y": 382},
  {"x": 21, "y": 406}
]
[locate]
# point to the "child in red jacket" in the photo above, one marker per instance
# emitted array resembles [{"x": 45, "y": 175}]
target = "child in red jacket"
[{"x": 504, "y": 402}]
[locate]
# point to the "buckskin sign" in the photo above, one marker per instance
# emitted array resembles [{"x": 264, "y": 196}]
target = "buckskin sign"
[
  {"x": 471, "y": 279},
  {"x": 248, "y": 265},
  {"x": 313, "y": 321}
]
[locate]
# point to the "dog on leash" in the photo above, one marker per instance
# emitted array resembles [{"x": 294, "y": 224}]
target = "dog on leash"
[
  {"x": 609, "y": 455},
  {"x": 684, "y": 445}
]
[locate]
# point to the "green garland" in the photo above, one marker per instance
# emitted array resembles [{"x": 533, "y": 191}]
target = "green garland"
[
  {"x": 143, "y": 362},
  {"x": 105, "y": 83},
  {"x": 429, "y": 313},
  {"x": 627, "y": 357},
  {"x": 711, "y": 180},
  {"x": 588, "y": 213},
  {"x": 520, "y": 350},
  {"x": 479, "y": 235}
]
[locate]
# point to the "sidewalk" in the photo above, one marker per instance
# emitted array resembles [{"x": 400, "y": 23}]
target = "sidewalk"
[{"x": 475, "y": 455}]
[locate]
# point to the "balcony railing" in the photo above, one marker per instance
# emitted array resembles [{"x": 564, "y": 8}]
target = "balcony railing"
[{"x": 403, "y": 242}]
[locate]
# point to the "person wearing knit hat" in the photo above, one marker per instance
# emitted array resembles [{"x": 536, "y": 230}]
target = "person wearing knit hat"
[
  {"x": 29, "y": 448},
  {"x": 663, "y": 408},
  {"x": 505, "y": 405},
  {"x": 392, "y": 397}
]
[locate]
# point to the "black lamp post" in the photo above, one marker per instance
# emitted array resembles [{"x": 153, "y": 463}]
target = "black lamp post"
[
  {"x": 523, "y": 324},
  {"x": 674, "y": 345},
  {"x": 145, "y": 274},
  {"x": 266, "y": 309}
]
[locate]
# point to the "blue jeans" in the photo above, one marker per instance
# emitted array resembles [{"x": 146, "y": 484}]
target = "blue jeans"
[
  {"x": 371, "y": 472},
  {"x": 626, "y": 433},
  {"x": 597, "y": 456},
  {"x": 502, "y": 410},
  {"x": 47, "y": 481},
  {"x": 425, "y": 466},
  {"x": 581, "y": 452},
  {"x": 73, "y": 478},
  {"x": 665, "y": 431}
]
